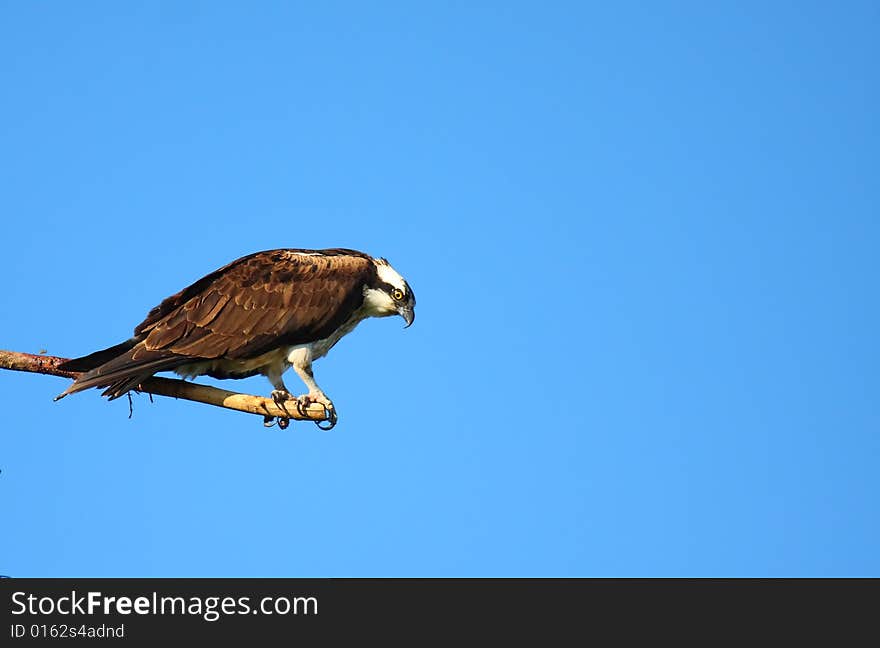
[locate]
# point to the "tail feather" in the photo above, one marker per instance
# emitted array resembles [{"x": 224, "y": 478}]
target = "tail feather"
[
  {"x": 123, "y": 373},
  {"x": 96, "y": 359}
]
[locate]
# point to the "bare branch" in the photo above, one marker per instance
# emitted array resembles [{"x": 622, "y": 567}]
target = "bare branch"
[{"x": 46, "y": 364}]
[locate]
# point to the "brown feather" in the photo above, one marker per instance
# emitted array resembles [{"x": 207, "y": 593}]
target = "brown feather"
[
  {"x": 270, "y": 296},
  {"x": 253, "y": 305}
]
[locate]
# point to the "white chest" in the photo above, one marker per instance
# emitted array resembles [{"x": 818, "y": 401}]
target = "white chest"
[{"x": 306, "y": 353}]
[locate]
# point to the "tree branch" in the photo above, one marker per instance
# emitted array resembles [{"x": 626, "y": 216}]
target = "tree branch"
[{"x": 46, "y": 364}]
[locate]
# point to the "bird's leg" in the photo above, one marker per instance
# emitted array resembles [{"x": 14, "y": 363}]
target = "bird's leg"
[
  {"x": 315, "y": 395},
  {"x": 280, "y": 395}
]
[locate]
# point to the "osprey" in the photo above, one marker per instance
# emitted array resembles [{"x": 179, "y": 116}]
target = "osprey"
[{"x": 260, "y": 314}]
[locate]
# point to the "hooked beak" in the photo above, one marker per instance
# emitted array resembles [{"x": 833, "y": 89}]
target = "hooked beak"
[{"x": 407, "y": 313}]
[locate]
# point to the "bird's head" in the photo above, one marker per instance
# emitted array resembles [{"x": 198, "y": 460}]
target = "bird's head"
[{"x": 389, "y": 294}]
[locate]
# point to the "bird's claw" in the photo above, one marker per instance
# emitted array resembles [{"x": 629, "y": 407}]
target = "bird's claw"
[
  {"x": 303, "y": 402},
  {"x": 330, "y": 416},
  {"x": 331, "y": 420},
  {"x": 279, "y": 396},
  {"x": 269, "y": 421}
]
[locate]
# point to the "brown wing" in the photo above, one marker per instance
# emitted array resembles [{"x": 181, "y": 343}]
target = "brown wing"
[
  {"x": 258, "y": 303},
  {"x": 253, "y": 305}
]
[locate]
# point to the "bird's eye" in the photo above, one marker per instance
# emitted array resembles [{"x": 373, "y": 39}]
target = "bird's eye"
[{"x": 397, "y": 294}]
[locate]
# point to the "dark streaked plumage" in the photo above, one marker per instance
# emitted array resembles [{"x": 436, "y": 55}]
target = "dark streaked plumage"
[{"x": 259, "y": 314}]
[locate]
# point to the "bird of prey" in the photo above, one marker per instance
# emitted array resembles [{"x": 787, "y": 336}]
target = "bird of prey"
[{"x": 260, "y": 314}]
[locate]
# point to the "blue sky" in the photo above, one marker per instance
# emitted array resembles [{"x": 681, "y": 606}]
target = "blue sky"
[{"x": 643, "y": 240}]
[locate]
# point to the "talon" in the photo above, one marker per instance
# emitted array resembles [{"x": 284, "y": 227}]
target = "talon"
[
  {"x": 302, "y": 404},
  {"x": 268, "y": 421},
  {"x": 329, "y": 413},
  {"x": 283, "y": 423},
  {"x": 332, "y": 418},
  {"x": 302, "y": 407},
  {"x": 280, "y": 397}
]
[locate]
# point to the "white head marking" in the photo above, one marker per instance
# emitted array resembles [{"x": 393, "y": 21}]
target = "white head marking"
[{"x": 390, "y": 275}]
